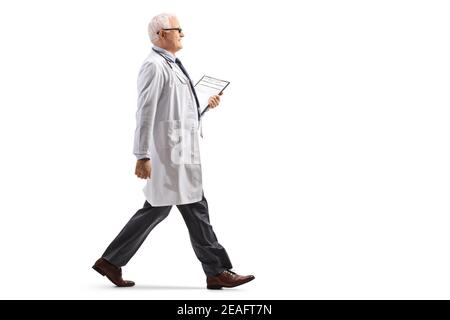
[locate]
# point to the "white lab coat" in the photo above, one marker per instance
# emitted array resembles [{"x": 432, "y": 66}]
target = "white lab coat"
[{"x": 167, "y": 133}]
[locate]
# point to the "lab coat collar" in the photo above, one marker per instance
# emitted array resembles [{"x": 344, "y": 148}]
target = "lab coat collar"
[{"x": 166, "y": 53}]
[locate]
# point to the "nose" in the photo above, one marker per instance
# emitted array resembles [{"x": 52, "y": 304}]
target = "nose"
[{"x": 181, "y": 34}]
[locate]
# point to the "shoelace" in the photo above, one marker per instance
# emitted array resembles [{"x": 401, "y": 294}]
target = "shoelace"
[{"x": 230, "y": 272}]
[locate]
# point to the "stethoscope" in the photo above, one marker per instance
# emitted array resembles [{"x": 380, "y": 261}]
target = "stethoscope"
[{"x": 169, "y": 62}]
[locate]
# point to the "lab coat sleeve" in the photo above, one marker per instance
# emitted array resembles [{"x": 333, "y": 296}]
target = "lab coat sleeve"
[{"x": 150, "y": 85}]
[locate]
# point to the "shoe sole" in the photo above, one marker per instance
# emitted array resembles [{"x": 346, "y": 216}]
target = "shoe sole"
[
  {"x": 103, "y": 274},
  {"x": 218, "y": 286}
]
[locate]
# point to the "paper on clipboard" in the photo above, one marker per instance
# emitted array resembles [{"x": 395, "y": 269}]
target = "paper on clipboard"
[{"x": 207, "y": 87}]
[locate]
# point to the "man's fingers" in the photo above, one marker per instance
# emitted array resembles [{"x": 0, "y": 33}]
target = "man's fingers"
[
  {"x": 140, "y": 174},
  {"x": 144, "y": 174},
  {"x": 214, "y": 101},
  {"x": 143, "y": 170}
]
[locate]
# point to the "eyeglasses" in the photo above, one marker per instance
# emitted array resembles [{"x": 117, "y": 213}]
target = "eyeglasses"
[{"x": 168, "y": 29}]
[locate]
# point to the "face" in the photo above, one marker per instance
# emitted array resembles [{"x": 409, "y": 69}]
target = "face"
[{"x": 171, "y": 39}]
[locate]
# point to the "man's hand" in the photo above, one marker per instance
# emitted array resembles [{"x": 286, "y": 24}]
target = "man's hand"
[
  {"x": 214, "y": 101},
  {"x": 143, "y": 169}
]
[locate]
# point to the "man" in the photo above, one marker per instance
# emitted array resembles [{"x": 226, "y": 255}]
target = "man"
[{"x": 166, "y": 146}]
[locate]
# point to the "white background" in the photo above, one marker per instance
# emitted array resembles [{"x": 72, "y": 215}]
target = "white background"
[{"x": 326, "y": 167}]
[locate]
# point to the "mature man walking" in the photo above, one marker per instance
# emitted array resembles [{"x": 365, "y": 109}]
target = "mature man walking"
[{"x": 167, "y": 149}]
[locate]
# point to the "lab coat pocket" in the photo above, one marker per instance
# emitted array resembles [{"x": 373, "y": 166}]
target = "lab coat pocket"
[
  {"x": 183, "y": 142},
  {"x": 165, "y": 136}
]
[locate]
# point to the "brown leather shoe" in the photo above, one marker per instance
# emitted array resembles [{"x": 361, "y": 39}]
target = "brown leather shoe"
[
  {"x": 227, "y": 279},
  {"x": 113, "y": 273}
]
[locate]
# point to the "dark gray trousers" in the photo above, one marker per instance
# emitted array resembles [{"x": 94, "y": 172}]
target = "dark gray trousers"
[{"x": 211, "y": 254}]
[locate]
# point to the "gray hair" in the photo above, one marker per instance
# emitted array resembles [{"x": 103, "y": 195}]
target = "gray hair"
[{"x": 161, "y": 21}]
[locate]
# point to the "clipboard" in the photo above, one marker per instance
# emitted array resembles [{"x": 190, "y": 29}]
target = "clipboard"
[{"x": 209, "y": 86}]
